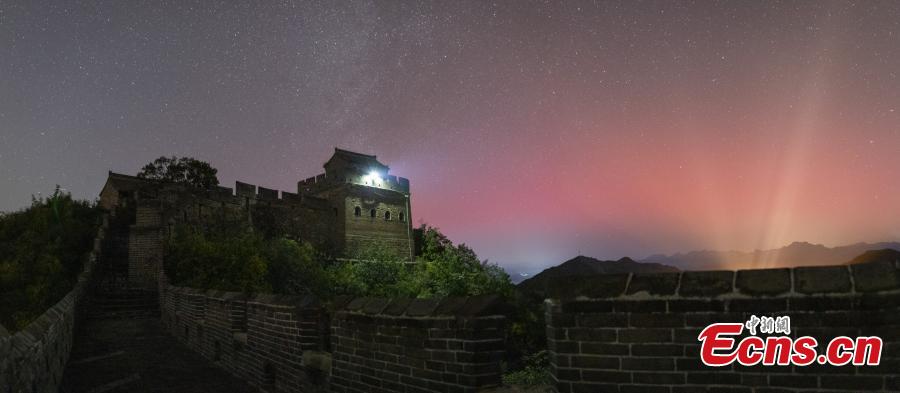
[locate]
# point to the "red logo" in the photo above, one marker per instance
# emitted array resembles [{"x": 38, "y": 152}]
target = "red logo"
[{"x": 718, "y": 347}]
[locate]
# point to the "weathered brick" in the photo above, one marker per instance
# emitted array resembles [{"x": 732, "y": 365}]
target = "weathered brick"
[
  {"x": 640, "y": 306},
  {"x": 658, "y": 378},
  {"x": 592, "y": 334},
  {"x": 714, "y": 377},
  {"x": 657, "y": 350},
  {"x": 706, "y": 283},
  {"x": 654, "y": 283},
  {"x": 763, "y": 281},
  {"x": 648, "y": 364},
  {"x": 606, "y": 376},
  {"x": 602, "y": 320},
  {"x": 587, "y": 306},
  {"x": 757, "y": 306},
  {"x": 822, "y": 279},
  {"x": 794, "y": 381},
  {"x": 605, "y": 349},
  {"x": 854, "y": 382},
  {"x": 422, "y": 307},
  {"x": 696, "y": 305},
  {"x": 656, "y": 320},
  {"x": 643, "y": 389},
  {"x": 645, "y": 335},
  {"x": 819, "y": 303},
  {"x": 596, "y": 362},
  {"x": 875, "y": 276}
]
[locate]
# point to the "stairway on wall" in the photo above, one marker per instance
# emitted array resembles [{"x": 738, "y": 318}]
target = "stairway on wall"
[
  {"x": 121, "y": 346},
  {"x": 112, "y": 297}
]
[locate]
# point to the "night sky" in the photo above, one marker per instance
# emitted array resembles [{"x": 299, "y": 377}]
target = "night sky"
[{"x": 531, "y": 131}]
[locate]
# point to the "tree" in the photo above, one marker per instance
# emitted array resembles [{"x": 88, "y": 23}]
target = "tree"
[
  {"x": 443, "y": 269},
  {"x": 184, "y": 170},
  {"x": 42, "y": 251}
]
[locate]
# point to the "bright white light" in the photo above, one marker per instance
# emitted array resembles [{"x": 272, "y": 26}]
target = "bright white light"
[{"x": 371, "y": 177}]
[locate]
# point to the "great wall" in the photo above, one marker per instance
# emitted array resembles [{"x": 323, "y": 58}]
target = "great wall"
[
  {"x": 124, "y": 327},
  {"x": 606, "y": 333}
]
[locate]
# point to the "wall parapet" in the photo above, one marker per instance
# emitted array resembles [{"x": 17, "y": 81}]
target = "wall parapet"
[
  {"x": 34, "y": 358},
  {"x": 725, "y": 284},
  {"x": 640, "y": 331},
  {"x": 423, "y": 345},
  {"x": 263, "y": 339}
]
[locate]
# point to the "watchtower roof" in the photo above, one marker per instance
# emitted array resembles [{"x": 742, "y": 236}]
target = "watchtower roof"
[
  {"x": 123, "y": 182},
  {"x": 354, "y": 159}
]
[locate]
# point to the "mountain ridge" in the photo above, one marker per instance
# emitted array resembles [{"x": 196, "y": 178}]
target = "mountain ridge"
[
  {"x": 581, "y": 266},
  {"x": 795, "y": 254}
]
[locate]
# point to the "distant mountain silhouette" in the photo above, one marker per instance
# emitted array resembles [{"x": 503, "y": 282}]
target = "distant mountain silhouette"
[
  {"x": 583, "y": 266},
  {"x": 795, "y": 254},
  {"x": 883, "y": 255}
]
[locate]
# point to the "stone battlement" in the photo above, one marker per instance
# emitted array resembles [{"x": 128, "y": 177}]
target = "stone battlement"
[
  {"x": 294, "y": 344},
  {"x": 639, "y": 332},
  {"x": 319, "y": 182}
]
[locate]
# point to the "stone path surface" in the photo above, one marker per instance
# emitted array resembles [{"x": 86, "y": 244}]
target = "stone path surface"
[{"x": 134, "y": 354}]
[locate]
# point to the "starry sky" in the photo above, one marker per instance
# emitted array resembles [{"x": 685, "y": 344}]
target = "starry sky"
[{"x": 532, "y": 131}]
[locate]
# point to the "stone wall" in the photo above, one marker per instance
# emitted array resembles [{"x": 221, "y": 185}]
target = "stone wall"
[
  {"x": 364, "y": 232},
  {"x": 290, "y": 344},
  {"x": 267, "y": 340},
  {"x": 145, "y": 247},
  {"x": 420, "y": 345},
  {"x": 33, "y": 359},
  {"x": 639, "y": 333}
]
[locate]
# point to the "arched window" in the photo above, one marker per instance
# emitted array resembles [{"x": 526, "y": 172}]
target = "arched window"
[
  {"x": 402, "y": 217},
  {"x": 357, "y": 211},
  {"x": 372, "y": 213},
  {"x": 387, "y": 215}
]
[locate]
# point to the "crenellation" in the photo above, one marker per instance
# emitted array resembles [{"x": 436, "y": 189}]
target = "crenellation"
[
  {"x": 334, "y": 211},
  {"x": 266, "y": 194},
  {"x": 646, "y": 340},
  {"x": 245, "y": 189}
]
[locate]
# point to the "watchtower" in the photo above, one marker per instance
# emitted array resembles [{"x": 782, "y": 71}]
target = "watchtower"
[{"x": 371, "y": 205}]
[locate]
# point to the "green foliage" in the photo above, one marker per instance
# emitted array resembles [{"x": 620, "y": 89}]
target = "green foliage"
[
  {"x": 42, "y": 250},
  {"x": 213, "y": 261},
  {"x": 375, "y": 272},
  {"x": 455, "y": 270},
  {"x": 294, "y": 268},
  {"x": 238, "y": 259},
  {"x": 184, "y": 170},
  {"x": 535, "y": 371},
  {"x": 443, "y": 269}
]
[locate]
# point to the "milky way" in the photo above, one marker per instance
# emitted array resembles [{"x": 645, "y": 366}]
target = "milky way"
[{"x": 531, "y": 131}]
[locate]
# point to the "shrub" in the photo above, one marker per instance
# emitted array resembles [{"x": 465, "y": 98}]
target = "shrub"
[
  {"x": 42, "y": 251},
  {"x": 535, "y": 371},
  {"x": 231, "y": 257}
]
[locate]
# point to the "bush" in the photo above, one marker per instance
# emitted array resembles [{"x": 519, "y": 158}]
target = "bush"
[
  {"x": 535, "y": 371},
  {"x": 443, "y": 269},
  {"x": 234, "y": 258},
  {"x": 42, "y": 251},
  {"x": 213, "y": 261}
]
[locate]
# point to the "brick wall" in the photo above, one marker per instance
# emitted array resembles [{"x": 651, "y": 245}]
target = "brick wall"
[
  {"x": 638, "y": 333},
  {"x": 267, "y": 340},
  {"x": 33, "y": 359},
  {"x": 420, "y": 345},
  {"x": 145, "y": 248}
]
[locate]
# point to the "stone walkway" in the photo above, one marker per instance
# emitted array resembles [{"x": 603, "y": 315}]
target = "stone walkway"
[{"x": 136, "y": 355}]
